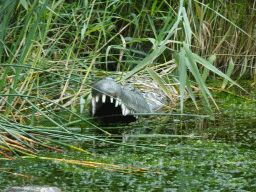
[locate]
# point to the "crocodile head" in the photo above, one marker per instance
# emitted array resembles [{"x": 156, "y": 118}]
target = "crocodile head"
[{"x": 110, "y": 98}]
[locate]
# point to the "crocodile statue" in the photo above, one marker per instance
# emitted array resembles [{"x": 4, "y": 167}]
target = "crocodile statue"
[{"x": 110, "y": 98}]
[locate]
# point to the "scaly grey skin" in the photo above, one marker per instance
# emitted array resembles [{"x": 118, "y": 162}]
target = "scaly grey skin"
[{"x": 110, "y": 98}]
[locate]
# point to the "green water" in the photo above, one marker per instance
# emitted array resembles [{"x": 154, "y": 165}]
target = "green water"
[{"x": 217, "y": 155}]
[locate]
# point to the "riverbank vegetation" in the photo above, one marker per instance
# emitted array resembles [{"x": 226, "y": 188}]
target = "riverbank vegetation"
[{"x": 52, "y": 52}]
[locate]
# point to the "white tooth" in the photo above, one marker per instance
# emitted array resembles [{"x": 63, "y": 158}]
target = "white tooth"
[
  {"x": 123, "y": 109},
  {"x": 103, "y": 98},
  {"x": 116, "y": 104},
  {"x": 93, "y": 106},
  {"x": 111, "y": 99},
  {"x": 97, "y": 98},
  {"x": 127, "y": 111}
]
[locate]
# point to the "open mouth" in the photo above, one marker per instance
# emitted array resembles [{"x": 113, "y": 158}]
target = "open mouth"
[{"x": 103, "y": 105}]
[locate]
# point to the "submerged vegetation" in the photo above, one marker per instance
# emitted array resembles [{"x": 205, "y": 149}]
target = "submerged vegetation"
[{"x": 197, "y": 53}]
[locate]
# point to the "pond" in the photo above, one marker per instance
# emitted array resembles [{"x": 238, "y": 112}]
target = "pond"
[{"x": 173, "y": 155}]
